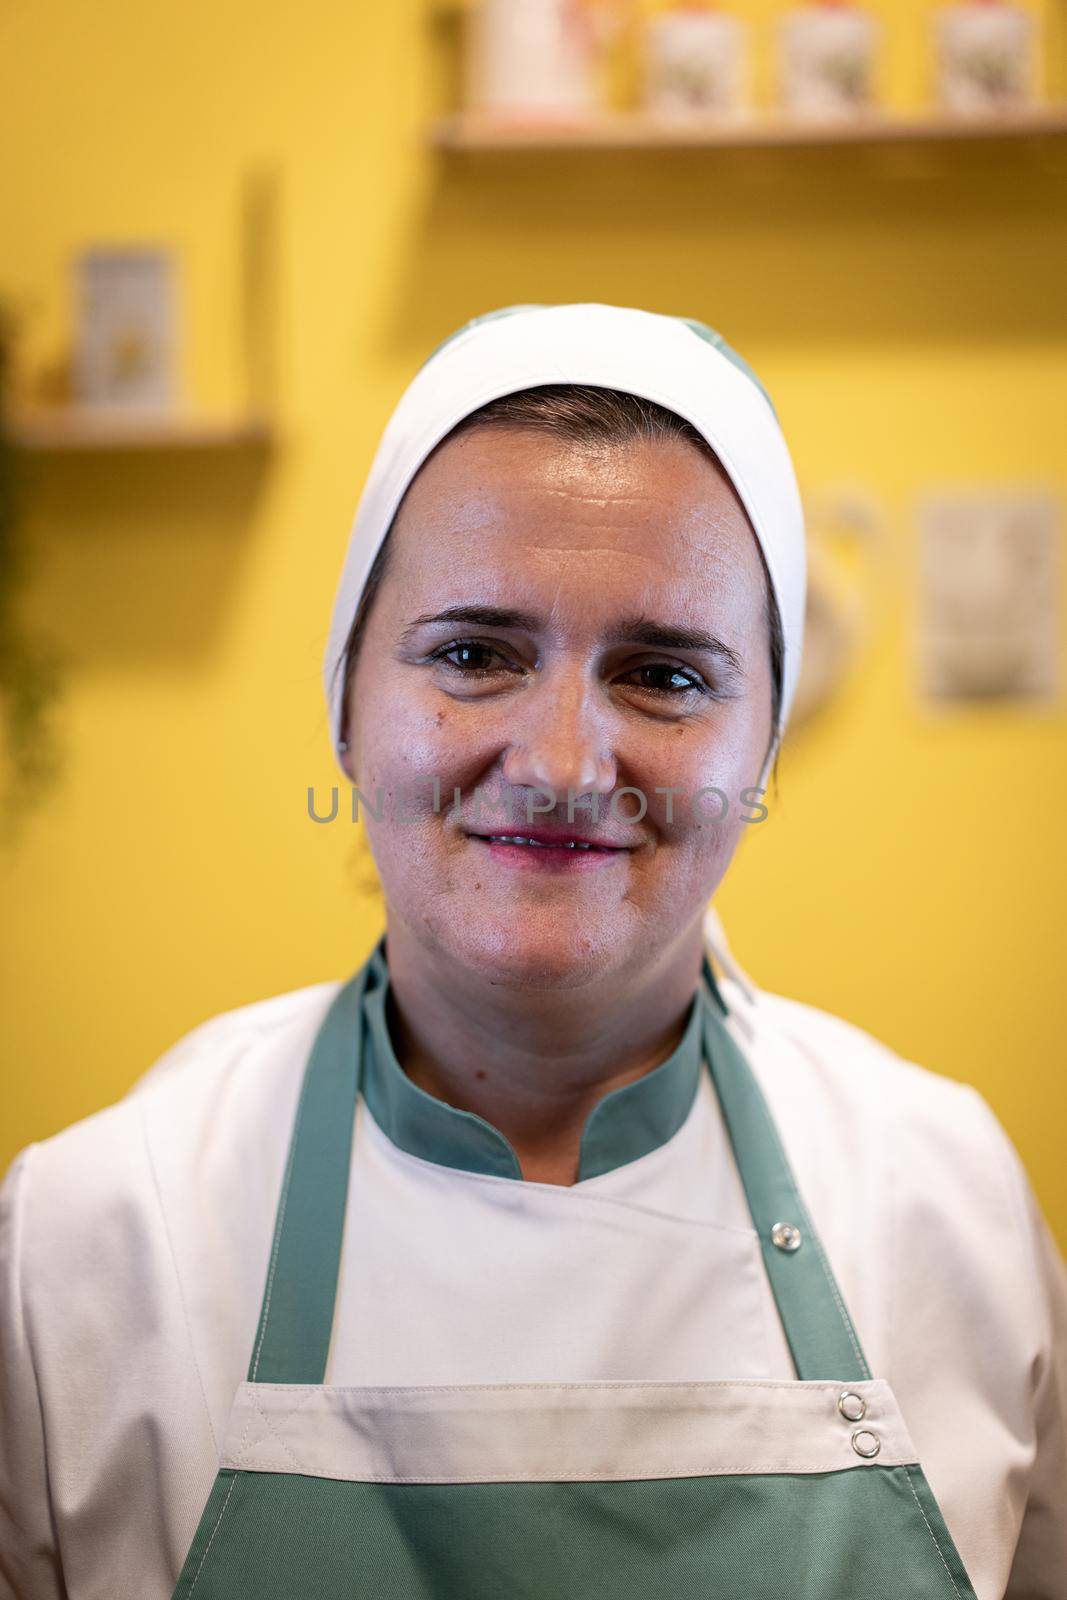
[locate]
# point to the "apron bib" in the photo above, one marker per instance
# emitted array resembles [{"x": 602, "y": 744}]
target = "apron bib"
[{"x": 742, "y": 1489}]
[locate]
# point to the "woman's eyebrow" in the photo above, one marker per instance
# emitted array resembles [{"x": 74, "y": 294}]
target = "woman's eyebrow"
[
  {"x": 670, "y": 636},
  {"x": 479, "y": 616},
  {"x": 632, "y": 630}
]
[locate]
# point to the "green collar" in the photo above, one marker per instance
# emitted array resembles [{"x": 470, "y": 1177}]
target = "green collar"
[{"x": 626, "y": 1124}]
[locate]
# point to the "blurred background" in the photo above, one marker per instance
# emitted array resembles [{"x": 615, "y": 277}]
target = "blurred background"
[{"x": 231, "y": 236}]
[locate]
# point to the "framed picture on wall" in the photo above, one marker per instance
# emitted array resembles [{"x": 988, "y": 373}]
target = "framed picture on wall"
[{"x": 126, "y": 344}]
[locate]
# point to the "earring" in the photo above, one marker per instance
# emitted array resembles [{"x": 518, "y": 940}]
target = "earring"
[{"x": 342, "y": 745}]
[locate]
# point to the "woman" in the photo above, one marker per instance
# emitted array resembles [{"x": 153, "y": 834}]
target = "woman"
[{"x": 594, "y": 1269}]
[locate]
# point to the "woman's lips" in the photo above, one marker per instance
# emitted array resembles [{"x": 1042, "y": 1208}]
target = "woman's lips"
[{"x": 541, "y": 852}]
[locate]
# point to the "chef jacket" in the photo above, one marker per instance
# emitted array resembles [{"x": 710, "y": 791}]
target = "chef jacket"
[{"x": 134, "y": 1247}]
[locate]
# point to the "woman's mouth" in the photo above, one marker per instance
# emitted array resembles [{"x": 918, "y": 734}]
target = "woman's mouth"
[{"x": 555, "y": 852}]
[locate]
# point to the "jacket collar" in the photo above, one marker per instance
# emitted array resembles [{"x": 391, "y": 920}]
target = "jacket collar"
[{"x": 626, "y": 1124}]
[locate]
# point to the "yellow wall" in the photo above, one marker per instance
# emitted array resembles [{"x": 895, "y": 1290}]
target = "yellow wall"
[{"x": 906, "y": 308}]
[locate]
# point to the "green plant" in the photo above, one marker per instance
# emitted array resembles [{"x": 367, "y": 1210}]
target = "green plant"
[{"x": 30, "y": 667}]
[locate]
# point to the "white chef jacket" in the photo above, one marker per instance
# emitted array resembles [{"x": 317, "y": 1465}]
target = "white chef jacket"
[{"x": 134, "y": 1249}]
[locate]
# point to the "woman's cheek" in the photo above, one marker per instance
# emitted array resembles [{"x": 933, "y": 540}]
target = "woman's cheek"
[
  {"x": 700, "y": 818},
  {"x": 404, "y": 852},
  {"x": 701, "y": 784}
]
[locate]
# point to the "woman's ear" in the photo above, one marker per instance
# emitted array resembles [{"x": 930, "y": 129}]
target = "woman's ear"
[{"x": 347, "y": 757}]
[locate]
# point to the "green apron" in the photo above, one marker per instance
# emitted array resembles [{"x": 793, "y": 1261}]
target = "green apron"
[{"x": 731, "y": 1490}]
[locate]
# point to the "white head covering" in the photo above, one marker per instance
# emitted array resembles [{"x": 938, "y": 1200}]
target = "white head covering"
[{"x": 676, "y": 361}]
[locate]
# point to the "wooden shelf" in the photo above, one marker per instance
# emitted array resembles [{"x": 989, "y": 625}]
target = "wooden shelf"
[
  {"x": 479, "y": 131},
  {"x": 62, "y": 425},
  {"x": 78, "y": 428}
]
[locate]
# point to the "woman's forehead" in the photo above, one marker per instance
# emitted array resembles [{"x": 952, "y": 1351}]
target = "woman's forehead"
[{"x": 517, "y": 509}]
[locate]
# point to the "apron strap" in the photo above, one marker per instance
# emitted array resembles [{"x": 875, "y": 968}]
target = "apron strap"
[
  {"x": 296, "y": 1319},
  {"x": 817, "y": 1325}
]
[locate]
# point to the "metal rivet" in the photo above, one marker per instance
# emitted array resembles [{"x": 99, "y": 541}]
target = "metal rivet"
[
  {"x": 785, "y": 1236},
  {"x": 852, "y": 1406},
  {"x": 865, "y": 1443}
]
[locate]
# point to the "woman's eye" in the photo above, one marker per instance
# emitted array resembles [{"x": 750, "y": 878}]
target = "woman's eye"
[
  {"x": 471, "y": 656},
  {"x": 662, "y": 678}
]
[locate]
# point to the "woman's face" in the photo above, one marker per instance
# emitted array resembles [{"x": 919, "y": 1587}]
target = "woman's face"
[{"x": 559, "y": 622}]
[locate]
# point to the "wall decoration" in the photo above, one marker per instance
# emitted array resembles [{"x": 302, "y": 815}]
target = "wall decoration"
[
  {"x": 695, "y": 60},
  {"x": 846, "y": 594},
  {"x": 126, "y": 346},
  {"x": 827, "y": 59},
  {"x": 985, "y": 56},
  {"x": 989, "y": 621},
  {"x": 538, "y": 57}
]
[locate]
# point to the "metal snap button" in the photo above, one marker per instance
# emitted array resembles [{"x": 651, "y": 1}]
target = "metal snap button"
[
  {"x": 852, "y": 1406},
  {"x": 865, "y": 1443},
  {"x": 785, "y": 1236}
]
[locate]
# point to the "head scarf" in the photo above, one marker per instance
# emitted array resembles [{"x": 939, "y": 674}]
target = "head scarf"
[{"x": 676, "y": 361}]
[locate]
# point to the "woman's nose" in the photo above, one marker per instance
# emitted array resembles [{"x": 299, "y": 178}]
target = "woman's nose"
[{"x": 559, "y": 742}]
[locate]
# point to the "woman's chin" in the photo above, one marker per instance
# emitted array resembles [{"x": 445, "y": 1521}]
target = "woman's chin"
[{"x": 538, "y": 953}]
